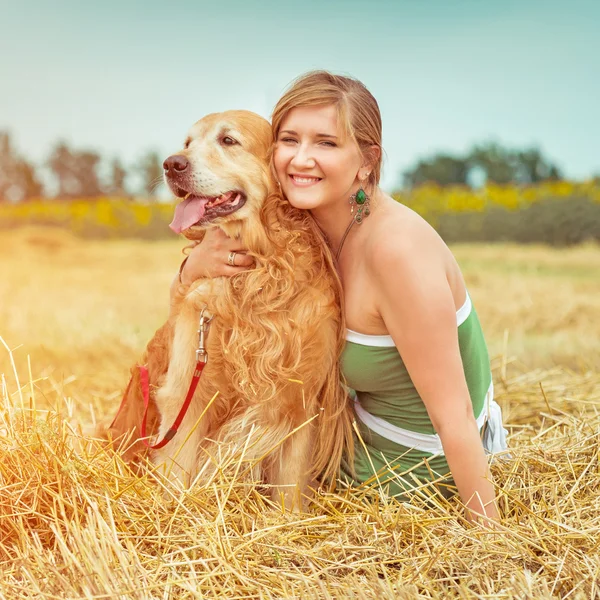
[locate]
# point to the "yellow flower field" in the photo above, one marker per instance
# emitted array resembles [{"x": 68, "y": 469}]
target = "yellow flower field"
[
  {"x": 103, "y": 217},
  {"x": 433, "y": 200},
  {"x": 118, "y": 217}
]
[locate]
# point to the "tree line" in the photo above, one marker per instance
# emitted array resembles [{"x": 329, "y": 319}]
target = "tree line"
[
  {"x": 489, "y": 162},
  {"x": 73, "y": 173}
]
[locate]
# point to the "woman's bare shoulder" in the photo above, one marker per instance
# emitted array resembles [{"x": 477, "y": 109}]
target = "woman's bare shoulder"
[
  {"x": 397, "y": 229},
  {"x": 403, "y": 243}
]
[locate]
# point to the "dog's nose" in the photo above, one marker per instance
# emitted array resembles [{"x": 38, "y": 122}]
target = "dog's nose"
[{"x": 176, "y": 163}]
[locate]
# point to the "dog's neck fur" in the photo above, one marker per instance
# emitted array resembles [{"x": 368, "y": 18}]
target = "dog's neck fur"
[{"x": 252, "y": 237}]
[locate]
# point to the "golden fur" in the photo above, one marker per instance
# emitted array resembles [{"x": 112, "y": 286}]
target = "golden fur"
[{"x": 273, "y": 343}]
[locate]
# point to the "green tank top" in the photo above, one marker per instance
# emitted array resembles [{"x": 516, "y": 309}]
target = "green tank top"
[{"x": 379, "y": 380}]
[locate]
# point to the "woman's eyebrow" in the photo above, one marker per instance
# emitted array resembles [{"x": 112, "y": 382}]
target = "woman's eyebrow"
[{"x": 325, "y": 135}]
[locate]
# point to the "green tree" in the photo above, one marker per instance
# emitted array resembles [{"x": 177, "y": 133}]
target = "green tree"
[
  {"x": 442, "y": 169},
  {"x": 490, "y": 162},
  {"x": 498, "y": 163},
  {"x": 533, "y": 166}
]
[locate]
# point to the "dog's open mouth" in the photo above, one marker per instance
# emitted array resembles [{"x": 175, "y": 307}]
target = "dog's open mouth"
[{"x": 199, "y": 210}]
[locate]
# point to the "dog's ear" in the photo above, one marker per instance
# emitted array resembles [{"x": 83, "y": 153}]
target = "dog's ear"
[{"x": 257, "y": 131}]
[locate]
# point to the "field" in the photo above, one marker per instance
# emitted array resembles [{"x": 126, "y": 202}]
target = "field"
[{"x": 75, "y": 315}]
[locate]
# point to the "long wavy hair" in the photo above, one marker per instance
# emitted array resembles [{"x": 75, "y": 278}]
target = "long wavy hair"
[{"x": 270, "y": 340}]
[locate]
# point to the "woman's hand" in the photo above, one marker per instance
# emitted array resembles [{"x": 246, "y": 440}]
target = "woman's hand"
[
  {"x": 208, "y": 258},
  {"x": 211, "y": 258}
]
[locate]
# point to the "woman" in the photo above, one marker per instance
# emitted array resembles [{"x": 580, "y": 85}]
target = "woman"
[{"x": 415, "y": 352}]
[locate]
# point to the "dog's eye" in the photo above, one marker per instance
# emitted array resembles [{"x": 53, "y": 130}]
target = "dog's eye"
[
  {"x": 229, "y": 141},
  {"x": 187, "y": 143}
]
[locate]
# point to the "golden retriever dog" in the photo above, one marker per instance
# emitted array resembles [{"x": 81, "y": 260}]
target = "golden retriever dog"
[{"x": 275, "y": 334}]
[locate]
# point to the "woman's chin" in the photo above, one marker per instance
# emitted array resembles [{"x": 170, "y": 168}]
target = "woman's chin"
[{"x": 303, "y": 201}]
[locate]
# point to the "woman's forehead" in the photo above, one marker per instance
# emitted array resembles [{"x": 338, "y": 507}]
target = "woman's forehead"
[{"x": 312, "y": 119}]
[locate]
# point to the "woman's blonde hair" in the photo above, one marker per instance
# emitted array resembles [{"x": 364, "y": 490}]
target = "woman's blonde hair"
[{"x": 358, "y": 111}]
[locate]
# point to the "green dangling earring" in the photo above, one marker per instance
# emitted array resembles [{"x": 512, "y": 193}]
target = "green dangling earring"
[{"x": 361, "y": 201}]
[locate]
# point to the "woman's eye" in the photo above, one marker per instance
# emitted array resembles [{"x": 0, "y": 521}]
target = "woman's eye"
[
  {"x": 329, "y": 144},
  {"x": 229, "y": 141},
  {"x": 287, "y": 140}
]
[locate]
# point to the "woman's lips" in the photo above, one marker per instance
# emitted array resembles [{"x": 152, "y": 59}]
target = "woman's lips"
[{"x": 300, "y": 181}]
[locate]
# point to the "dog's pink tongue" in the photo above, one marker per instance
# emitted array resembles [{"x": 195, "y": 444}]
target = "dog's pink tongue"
[{"x": 188, "y": 213}]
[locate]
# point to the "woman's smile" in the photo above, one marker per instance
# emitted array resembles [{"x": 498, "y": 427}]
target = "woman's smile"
[{"x": 304, "y": 180}]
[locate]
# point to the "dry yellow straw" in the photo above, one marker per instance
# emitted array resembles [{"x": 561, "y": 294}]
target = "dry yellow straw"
[{"x": 80, "y": 525}]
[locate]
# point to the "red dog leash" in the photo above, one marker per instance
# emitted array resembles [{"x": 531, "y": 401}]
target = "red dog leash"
[{"x": 201, "y": 360}]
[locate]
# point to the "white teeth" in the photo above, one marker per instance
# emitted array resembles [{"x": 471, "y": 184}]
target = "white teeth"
[{"x": 304, "y": 179}]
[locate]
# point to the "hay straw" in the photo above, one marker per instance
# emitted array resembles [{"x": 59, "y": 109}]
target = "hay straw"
[{"x": 76, "y": 523}]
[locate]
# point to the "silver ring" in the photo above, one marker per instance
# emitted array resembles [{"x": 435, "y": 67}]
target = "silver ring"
[{"x": 231, "y": 259}]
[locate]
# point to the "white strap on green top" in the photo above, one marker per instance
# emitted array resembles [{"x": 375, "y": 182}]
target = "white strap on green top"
[
  {"x": 494, "y": 437},
  {"x": 386, "y": 341}
]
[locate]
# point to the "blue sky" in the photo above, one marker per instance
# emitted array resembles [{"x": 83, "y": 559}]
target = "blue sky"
[{"x": 124, "y": 76}]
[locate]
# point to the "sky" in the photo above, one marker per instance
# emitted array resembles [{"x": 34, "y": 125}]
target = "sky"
[{"x": 122, "y": 77}]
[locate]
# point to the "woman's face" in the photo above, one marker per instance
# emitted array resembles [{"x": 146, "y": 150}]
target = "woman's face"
[{"x": 315, "y": 165}]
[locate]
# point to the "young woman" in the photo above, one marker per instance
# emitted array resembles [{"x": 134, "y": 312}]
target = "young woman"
[{"x": 415, "y": 351}]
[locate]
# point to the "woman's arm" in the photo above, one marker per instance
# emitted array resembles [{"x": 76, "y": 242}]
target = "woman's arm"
[
  {"x": 209, "y": 258},
  {"x": 417, "y": 306}
]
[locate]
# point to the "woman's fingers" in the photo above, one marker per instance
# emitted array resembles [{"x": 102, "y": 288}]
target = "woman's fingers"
[
  {"x": 229, "y": 271},
  {"x": 217, "y": 240},
  {"x": 216, "y": 255},
  {"x": 239, "y": 259}
]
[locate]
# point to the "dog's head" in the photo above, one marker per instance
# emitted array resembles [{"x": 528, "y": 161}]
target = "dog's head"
[{"x": 222, "y": 173}]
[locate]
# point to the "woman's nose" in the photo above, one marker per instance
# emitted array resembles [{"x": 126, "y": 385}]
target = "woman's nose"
[{"x": 303, "y": 157}]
